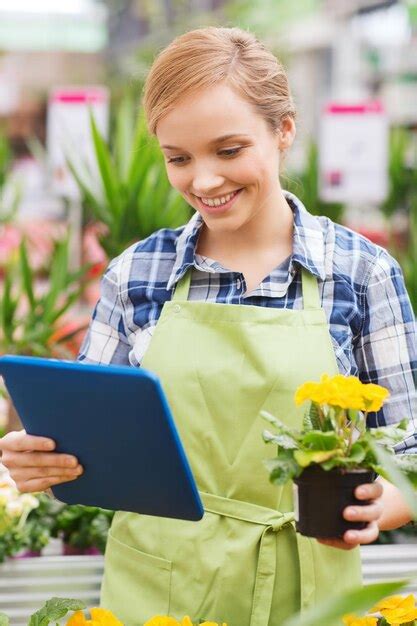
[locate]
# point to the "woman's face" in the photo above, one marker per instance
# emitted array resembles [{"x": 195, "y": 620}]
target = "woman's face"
[{"x": 222, "y": 156}]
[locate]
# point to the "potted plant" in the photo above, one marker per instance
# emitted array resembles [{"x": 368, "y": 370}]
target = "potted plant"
[{"x": 333, "y": 452}]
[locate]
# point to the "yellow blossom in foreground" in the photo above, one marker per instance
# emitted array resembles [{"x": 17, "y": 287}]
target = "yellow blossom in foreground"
[
  {"x": 104, "y": 617},
  {"x": 353, "y": 620},
  {"x": 394, "y": 602},
  {"x": 400, "y": 616},
  {"x": 162, "y": 620},
  {"x": 100, "y": 617}
]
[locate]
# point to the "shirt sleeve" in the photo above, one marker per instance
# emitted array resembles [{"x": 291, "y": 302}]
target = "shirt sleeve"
[
  {"x": 385, "y": 351},
  {"x": 106, "y": 340}
]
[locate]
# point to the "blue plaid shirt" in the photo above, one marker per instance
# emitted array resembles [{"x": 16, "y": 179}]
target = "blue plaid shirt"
[{"x": 361, "y": 286}]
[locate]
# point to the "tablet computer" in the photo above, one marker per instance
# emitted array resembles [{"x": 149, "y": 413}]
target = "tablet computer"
[{"x": 117, "y": 421}]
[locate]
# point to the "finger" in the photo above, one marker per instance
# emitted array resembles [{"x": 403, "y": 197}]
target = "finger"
[
  {"x": 336, "y": 543},
  {"x": 42, "y": 484},
  {"x": 370, "y": 491},
  {"x": 367, "y": 535},
  {"x": 39, "y": 459},
  {"x": 29, "y": 473},
  {"x": 368, "y": 513},
  {"x": 19, "y": 441}
]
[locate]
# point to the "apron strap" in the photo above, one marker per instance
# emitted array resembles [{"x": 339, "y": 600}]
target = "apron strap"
[
  {"x": 183, "y": 287},
  {"x": 311, "y": 296},
  {"x": 310, "y": 287}
]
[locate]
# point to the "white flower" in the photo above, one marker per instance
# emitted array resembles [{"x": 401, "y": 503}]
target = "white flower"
[
  {"x": 29, "y": 502},
  {"x": 14, "y": 508},
  {"x": 7, "y": 494}
]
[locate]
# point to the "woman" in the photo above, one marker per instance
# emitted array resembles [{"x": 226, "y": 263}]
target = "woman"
[{"x": 233, "y": 311}]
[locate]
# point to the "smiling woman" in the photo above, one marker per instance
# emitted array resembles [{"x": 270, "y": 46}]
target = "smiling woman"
[{"x": 234, "y": 311}]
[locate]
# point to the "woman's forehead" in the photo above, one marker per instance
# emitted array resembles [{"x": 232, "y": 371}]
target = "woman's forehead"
[{"x": 207, "y": 116}]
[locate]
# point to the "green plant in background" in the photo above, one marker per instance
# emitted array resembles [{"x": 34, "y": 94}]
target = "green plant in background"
[
  {"x": 305, "y": 186},
  {"x": 407, "y": 256},
  {"x": 15, "y": 509},
  {"x": 10, "y": 193},
  {"x": 29, "y": 317},
  {"x": 402, "y": 198},
  {"x": 83, "y": 527},
  {"x": 399, "y": 175},
  {"x": 41, "y": 522},
  {"x": 130, "y": 193}
]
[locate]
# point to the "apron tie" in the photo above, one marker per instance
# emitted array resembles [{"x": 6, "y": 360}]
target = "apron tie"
[{"x": 273, "y": 521}]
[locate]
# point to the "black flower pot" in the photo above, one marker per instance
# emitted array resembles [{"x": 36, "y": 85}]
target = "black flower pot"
[{"x": 320, "y": 498}]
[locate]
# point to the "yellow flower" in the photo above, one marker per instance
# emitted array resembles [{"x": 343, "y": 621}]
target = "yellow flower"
[
  {"x": 394, "y": 602},
  {"x": 100, "y": 617},
  {"x": 78, "y": 619},
  {"x": 353, "y": 620},
  {"x": 104, "y": 617},
  {"x": 400, "y": 616},
  {"x": 374, "y": 396},
  {"x": 186, "y": 621},
  {"x": 162, "y": 620},
  {"x": 345, "y": 392}
]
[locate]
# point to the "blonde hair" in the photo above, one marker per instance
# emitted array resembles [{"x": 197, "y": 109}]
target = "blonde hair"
[{"x": 207, "y": 56}]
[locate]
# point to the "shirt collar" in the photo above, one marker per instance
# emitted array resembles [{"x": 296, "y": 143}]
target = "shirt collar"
[{"x": 308, "y": 242}]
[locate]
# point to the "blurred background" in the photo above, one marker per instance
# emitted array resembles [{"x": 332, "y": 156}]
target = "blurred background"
[{"x": 80, "y": 179}]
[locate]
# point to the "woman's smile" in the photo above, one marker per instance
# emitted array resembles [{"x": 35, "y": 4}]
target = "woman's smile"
[{"x": 217, "y": 204}]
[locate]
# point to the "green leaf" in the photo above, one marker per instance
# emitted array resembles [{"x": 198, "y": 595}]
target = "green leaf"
[
  {"x": 124, "y": 134},
  {"x": 54, "y": 609},
  {"x": 393, "y": 473},
  {"x": 4, "y": 620},
  {"x": 317, "y": 440},
  {"x": 27, "y": 274},
  {"x": 358, "y": 600},
  {"x": 284, "y": 441},
  {"x": 106, "y": 167},
  {"x": 314, "y": 417},
  {"x": 281, "y": 469},
  {"x": 280, "y": 426},
  {"x": 304, "y": 458},
  {"x": 357, "y": 453},
  {"x": 408, "y": 463}
]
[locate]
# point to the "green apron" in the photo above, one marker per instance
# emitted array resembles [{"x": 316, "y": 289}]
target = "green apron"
[{"x": 243, "y": 563}]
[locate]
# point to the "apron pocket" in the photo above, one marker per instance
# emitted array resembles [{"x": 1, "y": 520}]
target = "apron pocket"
[{"x": 136, "y": 585}]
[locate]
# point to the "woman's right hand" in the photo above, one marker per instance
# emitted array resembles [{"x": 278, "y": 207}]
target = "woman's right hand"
[{"x": 32, "y": 463}]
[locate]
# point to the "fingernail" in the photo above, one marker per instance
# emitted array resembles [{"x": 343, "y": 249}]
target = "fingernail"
[
  {"x": 352, "y": 513},
  {"x": 352, "y": 535},
  {"x": 361, "y": 492},
  {"x": 49, "y": 445}
]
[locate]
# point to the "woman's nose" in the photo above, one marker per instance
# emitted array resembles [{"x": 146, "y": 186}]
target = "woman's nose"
[{"x": 206, "y": 183}]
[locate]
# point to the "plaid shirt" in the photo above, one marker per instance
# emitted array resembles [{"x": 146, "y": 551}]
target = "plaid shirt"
[{"x": 362, "y": 290}]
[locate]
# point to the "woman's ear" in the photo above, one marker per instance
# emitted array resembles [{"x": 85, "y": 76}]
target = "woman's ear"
[{"x": 286, "y": 133}]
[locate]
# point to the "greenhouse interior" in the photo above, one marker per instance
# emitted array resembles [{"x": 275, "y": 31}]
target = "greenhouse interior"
[{"x": 256, "y": 463}]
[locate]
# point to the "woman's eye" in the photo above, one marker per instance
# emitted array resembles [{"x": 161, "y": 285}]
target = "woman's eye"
[
  {"x": 178, "y": 160},
  {"x": 230, "y": 151}
]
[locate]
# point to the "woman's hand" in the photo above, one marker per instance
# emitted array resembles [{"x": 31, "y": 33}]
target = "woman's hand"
[
  {"x": 370, "y": 513},
  {"x": 32, "y": 464}
]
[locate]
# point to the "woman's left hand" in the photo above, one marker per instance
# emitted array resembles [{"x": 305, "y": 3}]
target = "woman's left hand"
[{"x": 370, "y": 513}]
